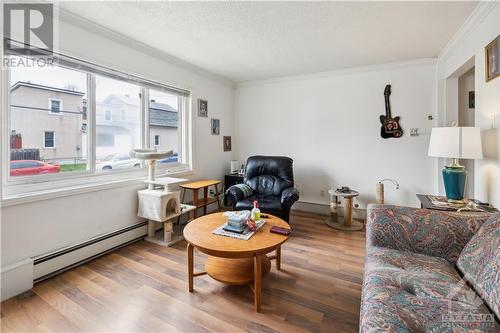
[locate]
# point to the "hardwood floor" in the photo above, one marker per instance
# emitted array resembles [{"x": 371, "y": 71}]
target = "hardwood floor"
[{"x": 143, "y": 288}]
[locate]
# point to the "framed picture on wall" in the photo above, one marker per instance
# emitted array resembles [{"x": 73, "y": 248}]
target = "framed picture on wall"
[
  {"x": 472, "y": 100},
  {"x": 492, "y": 59},
  {"x": 202, "y": 108},
  {"x": 227, "y": 143},
  {"x": 215, "y": 126}
]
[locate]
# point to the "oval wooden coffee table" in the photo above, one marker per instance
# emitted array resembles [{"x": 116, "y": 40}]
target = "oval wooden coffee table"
[{"x": 234, "y": 261}]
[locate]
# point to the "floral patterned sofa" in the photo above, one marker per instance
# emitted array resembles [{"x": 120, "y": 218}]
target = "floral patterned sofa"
[{"x": 430, "y": 271}]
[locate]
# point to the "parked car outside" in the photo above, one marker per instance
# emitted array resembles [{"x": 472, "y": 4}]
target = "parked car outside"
[
  {"x": 120, "y": 161},
  {"x": 170, "y": 159},
  {"x": 32, "y": 167}
]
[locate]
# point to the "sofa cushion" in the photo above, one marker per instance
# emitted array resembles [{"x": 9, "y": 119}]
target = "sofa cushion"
[
  {"x": 409, "y": 292},
  {"x": 426, "y": 231},
  {"x": 480, "y": 262}
]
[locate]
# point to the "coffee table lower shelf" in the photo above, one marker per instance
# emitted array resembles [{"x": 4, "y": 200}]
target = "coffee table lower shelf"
[{"x": 238, "y": 271}]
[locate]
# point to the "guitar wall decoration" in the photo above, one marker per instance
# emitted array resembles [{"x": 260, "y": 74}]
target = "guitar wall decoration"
[{"x": 390, "y": 126}]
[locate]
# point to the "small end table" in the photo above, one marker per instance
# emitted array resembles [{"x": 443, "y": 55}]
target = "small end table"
[
  {"x": 206, "y": 200},
  {"x": 438, "y": 202},
  {"x": 349, "y": 224}
]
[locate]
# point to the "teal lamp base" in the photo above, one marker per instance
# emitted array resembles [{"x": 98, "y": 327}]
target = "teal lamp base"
[{"x": 454, "y": 177}]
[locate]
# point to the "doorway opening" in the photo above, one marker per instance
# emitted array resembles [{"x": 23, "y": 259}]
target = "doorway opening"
[{"x": 466, "y": 116}]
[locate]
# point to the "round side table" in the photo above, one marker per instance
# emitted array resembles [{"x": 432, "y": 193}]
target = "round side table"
[{"x": 348, "y": 224}]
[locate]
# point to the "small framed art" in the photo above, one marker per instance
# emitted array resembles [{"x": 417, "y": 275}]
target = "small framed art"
[
  {"x": 227, "y": 143},
  {"x": 492, "y": 59},
  {"x": 202, "y": 108},
  {"x": 215, "y": 126}
]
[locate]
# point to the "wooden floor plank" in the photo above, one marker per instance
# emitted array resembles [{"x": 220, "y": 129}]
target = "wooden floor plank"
[{"x": 143, "y": 288}]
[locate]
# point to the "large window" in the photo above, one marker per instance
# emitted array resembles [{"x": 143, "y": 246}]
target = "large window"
[
  {"x": 101, "y": 116},
  {"x": 116, "y": 136},
  {"x": 36, "y": 95},
  {"x": 164, "y": 122}
]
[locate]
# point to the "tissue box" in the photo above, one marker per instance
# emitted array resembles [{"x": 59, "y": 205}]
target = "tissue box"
[
  {"x": 235, "y": 229},
  {"x": 236, "y": 221}
]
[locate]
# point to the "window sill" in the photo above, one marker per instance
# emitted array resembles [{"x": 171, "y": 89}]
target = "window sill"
[{"x": 24, "y": 198}]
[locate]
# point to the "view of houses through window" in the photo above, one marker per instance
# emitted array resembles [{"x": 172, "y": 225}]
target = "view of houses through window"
[
  {"x": 49, "y": 122},
  {"x": 164, "y": 123},
  {"x": 47, "y": 107},
  {"x": 117, "y": 135}
]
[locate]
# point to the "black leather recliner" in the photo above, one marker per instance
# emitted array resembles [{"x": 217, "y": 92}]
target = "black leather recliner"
[{"x": 269, "y": 180}]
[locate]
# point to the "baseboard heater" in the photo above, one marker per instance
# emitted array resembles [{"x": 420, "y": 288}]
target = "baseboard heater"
[{"x": 56, "y": 262}]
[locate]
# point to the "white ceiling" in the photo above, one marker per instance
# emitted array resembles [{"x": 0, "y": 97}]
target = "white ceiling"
[{"x": 245, "y": 41}]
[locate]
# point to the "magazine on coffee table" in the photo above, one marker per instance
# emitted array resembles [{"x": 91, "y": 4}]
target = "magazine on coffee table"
[{"x": 245, "y": 235}]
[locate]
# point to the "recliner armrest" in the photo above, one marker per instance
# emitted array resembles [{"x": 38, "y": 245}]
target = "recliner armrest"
[
  {"x": 289, "y": 196},
  {"x": 238, "y": 192}
]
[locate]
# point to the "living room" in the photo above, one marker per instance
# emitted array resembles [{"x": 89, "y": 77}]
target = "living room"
[{"x": 366, "y": 133}]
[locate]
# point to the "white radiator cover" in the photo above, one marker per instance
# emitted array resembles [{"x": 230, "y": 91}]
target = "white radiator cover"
[
  {"x": 59, "y": 260},
  {"x": 19, "y": 277}
]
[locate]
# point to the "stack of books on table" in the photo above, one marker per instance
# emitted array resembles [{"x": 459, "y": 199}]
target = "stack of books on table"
[{"x": 236, "y": 223}]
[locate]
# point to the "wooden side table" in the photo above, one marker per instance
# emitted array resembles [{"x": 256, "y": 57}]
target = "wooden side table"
[
  {"x": 206, "y": 200},
  {"x": 348, "y": 224},
  {"x": 438, "y": 202}
]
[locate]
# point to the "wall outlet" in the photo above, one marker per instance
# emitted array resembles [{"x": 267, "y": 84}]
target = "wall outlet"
[{"x": 413, "y": 131}]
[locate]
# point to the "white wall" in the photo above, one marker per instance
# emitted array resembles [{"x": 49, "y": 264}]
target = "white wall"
[
  {"x": 35, "y": 228},
  {"x": 466, "y": 118},
  {"x": 481, "y": 28},
  {"x": 329, "y": 124}
]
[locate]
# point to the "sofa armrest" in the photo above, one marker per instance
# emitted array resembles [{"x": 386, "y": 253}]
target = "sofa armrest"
[
  {"x": 289, "y": 196},
  {"x": 431, "y": 232},
  {"x": 237, "y": 192}
]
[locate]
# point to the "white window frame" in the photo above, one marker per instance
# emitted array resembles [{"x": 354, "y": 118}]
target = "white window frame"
[
  {"x": 53, "y": 139},
  {"x": 22, "y": 187},
  {"x": 154, "y": 140},
  {"x": 60, "y": 106}
]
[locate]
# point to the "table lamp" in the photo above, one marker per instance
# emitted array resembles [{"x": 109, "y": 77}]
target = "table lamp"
[{"x": 455, "y": 143}]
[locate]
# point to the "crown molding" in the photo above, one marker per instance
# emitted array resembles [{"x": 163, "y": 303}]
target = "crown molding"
[
  {"x": 93, "y": 27},
  {"x": 345, "y": 71},
  {"x": 475, "y": 19}
]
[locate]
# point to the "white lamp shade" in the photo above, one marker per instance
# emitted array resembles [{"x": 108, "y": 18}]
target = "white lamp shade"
[{"x": 456, "y": 142}]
